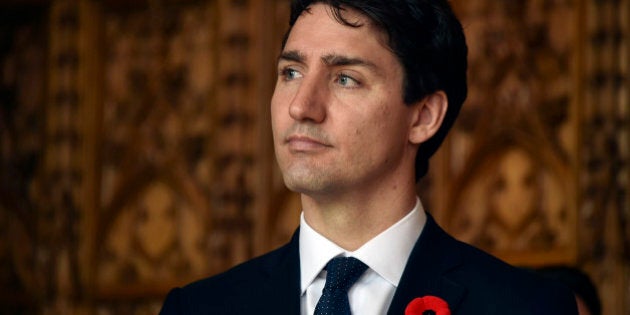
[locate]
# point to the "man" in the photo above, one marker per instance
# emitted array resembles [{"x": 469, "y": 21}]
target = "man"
[{"x": 366, "y": 92}]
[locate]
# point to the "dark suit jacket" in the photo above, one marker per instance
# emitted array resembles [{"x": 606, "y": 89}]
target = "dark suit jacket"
[{"x": 469, "y": 280}]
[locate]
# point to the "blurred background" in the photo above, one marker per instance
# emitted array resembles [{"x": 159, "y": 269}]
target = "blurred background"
[{"x": 136, "y": 153}]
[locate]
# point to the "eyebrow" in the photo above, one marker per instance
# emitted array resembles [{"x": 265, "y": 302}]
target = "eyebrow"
[
  {"x": 329, "y": 60},
  {"x": 292, "y": 55},
  {"x": 341, "y": 60}
]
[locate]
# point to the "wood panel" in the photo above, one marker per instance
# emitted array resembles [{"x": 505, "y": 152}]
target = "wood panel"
[
  {"x": 503, "y": 173},
  {"x": 136, "y": 151},
  {"x": 604, "y": 170}
]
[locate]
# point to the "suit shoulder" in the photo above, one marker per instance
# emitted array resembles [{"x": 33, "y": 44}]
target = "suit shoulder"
[
  {"x": 240, "y": 276},
  {"x": 239, "y": 290},
  {"x": 492, "y": 279}
]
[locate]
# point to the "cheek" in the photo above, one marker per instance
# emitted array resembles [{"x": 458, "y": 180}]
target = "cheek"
[
  {"x": 274, "y": 105},
  {"x": 281, "y": 97},
  {"x": 391, "y": 130},
  {"x": 388, "y": 123},
  {"x": 371, "y": 134},
  {"x": 279, "y": 113}
]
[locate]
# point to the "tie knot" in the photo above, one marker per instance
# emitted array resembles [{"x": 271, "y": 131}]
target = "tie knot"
[{"x": 343, "y": 272}]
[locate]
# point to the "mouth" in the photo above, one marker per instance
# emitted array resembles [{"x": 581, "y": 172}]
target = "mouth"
[{"x": 302, "y": 143}]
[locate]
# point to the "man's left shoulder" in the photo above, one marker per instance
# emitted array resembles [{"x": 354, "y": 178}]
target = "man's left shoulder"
[{"x": 508, "y": 287}]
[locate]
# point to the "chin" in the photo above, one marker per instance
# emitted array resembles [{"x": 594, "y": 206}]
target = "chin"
[{"x": 305, "y": 183}]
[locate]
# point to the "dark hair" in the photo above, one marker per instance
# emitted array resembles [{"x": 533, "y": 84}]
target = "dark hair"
[{"x": 429, "y": 42}]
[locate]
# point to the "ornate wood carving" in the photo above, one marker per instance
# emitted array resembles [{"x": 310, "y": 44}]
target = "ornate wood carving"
[
  {"x": 136, "y": 153},
  {"x": 506, "y": 173},
  {"x": 183, "y": 187},
  {"x": 156, "y": 175},
  {"x": 605, "y": 158},
  {"x": 23, "y": 62}
]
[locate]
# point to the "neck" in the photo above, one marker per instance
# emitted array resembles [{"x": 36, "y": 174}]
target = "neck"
[{"x": 352, "y": 219}]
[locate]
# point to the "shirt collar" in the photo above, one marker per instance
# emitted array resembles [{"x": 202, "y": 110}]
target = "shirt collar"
[{"x": 386, "y": 254}]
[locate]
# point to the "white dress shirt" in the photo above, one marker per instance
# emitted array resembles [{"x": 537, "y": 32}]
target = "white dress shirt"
[{"x": 386, "y": 256}]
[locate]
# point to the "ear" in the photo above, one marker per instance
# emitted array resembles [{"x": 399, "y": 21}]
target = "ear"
[{"x": 427, "y": 117}]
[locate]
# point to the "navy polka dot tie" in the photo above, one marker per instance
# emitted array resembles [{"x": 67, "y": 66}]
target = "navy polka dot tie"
[{"x": 342, "y": 273}]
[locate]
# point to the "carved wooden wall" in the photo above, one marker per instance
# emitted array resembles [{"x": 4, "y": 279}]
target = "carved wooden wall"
[
  {"x": 536, "y": 170},
  {"x": 604, "y": 170},
  {"x": 509, "y": 161},
  {"x": 136, "y": 153},
  {"x": 23, "y": 41}
]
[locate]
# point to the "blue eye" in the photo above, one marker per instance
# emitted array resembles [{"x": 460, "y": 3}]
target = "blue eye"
[
  {"x": 347, "y": 81},
  {"x": 289, "y": 74}
]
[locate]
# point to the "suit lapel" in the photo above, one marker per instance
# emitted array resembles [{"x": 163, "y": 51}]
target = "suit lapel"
[
  {"x": 431, "y": 258},
  {"x": 433, "y": 255},
  {"x": 282, "y": 292}
]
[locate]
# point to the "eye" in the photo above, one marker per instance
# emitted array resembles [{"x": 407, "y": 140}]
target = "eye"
[
  {"x": 289, "y": 74},
  {"x": 347, "y": 81}
]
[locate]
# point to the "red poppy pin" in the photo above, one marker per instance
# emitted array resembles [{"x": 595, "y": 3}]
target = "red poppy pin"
[{"x": 427, "y": 305}]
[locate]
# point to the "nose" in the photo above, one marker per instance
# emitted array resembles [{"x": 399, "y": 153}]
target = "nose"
[{"x": 309, "y": 102}]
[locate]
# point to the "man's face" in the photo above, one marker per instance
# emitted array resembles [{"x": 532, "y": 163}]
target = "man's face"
[{"x": 338, "y": 117}]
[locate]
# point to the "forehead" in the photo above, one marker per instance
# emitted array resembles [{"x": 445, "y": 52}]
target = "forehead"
[{"x": 319, "y": 27}]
